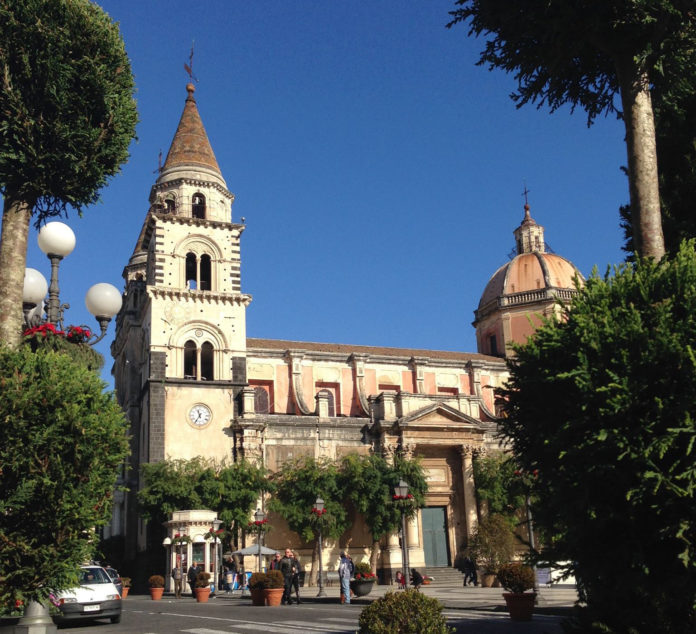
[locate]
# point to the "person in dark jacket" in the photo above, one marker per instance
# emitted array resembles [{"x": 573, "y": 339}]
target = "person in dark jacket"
[
  {"x": 416, "y": 578},
  {"x": 287, "y": 567},
  {"x": 191, "y": 576}
]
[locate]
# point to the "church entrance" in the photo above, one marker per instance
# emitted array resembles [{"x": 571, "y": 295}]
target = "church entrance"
[{"x": 434, "y": 523}]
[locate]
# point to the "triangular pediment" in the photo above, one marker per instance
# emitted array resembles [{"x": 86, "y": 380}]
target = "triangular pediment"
[{"x": 439, "y": 415}]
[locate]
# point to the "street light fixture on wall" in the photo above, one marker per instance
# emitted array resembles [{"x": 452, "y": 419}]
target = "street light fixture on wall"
[
  {"x": 57, "y": 240},
  {"x": 318, "y": 511}
]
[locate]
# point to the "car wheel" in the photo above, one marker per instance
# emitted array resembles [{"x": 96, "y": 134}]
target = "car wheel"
[{"x": 116, "y": 619}]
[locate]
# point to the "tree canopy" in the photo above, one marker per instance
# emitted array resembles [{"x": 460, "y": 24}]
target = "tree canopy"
[
  {"x": 602, "y": 405},
  {"x": 64, "y": 441},
  {"x": 67, "y": 116},
  {"x": 590, "y": 54}
]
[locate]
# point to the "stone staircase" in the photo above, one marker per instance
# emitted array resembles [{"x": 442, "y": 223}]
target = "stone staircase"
[{"x": 444, "y": 577}]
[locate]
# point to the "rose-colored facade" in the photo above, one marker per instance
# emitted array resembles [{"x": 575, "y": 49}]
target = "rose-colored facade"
[{"x": 193, "y": 383}]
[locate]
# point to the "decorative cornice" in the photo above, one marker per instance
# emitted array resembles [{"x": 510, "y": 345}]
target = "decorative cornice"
[{"x": 201, "y": 297}]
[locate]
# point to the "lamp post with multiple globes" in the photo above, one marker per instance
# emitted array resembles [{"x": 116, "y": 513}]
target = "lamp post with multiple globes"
[{"x": 57, "y": 241}]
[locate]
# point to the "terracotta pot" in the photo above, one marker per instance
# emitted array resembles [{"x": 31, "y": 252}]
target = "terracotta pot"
[
  {"x": 273, "y": 596},
  {"x": 257, "y": 597},
  {"x": 487, "y": 580},
  {"x": 361, "y": 587},
  {"x": 156, "y": 593},
  {"x": 124, "y": 593},
  {"x": 202, "y": 595},
  {"x": 520, "y": 605}
]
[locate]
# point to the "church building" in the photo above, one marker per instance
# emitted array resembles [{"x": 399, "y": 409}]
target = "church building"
[{"x": 193, "y": 384}]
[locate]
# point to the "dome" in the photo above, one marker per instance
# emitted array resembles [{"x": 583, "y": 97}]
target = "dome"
[
  {"x": 522, "y": 291},
  {"x": 529, "y": 277}
]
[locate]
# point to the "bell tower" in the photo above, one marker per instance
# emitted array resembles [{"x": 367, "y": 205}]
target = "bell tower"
[{"x": 180, "y": 346}]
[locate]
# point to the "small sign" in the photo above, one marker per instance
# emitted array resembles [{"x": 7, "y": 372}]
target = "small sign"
[{"x": 543, "y": 576}]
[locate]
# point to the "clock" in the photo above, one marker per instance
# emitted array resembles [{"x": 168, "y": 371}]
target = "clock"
[{"x": 200, "y": 415}]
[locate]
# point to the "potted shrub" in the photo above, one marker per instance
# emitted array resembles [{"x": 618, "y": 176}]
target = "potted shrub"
[
  {"x": 156, "y": 583},
  {"x": 256, "y": 583},
  {"x": 364, "y": 579},
  {"x": 126, "y": 581},
  {"x": 273, "y": 587},
  {"x": 406, "y": 611},
  {"x": 516, "y": 579},
  {"x": 202, "y": 587},
  {"x": 492, "y": 545}
]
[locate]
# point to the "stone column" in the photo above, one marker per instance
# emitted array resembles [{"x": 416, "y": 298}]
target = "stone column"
[
  {"x": 416, "y": 555},
  {"x": 469, "y": 488}
]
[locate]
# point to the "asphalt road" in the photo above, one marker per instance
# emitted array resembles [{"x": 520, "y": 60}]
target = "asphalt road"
[{"x": 141, "y": 615}]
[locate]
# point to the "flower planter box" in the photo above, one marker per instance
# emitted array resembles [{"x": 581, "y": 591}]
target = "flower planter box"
[
  {"x": 520, "y": 605},
  {"x": 361, "y": 587},
  {"x": 124, "y": 592},
  {"x": 202, "y": 595},
  {"x": 156, "y": 593},
  {"x": 257, "y": 597},
  {"x": 273, "y": 596}
]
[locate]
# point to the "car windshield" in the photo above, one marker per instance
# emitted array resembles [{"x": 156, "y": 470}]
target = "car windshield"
[{"x": 93, "y": 575}]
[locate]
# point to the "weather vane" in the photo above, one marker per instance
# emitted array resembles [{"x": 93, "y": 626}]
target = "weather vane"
[{"x": 189, "y": 67}]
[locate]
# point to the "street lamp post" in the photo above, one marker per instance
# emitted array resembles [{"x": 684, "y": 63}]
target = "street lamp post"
[
  {"x": 57, "y": 240},
  {"x": 216, "y": 525},
  {"x": 259, "y": 517},
  {"x": 319, "y": 511},
  {"x": 401, "y": 493}
]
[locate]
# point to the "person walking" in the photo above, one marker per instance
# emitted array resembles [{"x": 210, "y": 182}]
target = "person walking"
[
  {"x": 191, "y": 575},
  {"x": 345, "y": 572},
  {"x": 286, "y": 567},
  {"x": 178, "y": 576},
  {"x": 296, "y": 578}
]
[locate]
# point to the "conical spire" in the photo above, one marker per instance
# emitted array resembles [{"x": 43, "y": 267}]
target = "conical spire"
[{"x": 190, "y": 146}]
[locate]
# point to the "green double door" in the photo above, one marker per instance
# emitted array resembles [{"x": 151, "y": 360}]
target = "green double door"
[{"x": 434, "y": 524}]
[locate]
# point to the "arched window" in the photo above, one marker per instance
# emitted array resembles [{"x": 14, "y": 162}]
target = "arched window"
[
  {"x": 261, "y": 402},
  {"x": 198, "y": 272},
  {"x": 198, "y": 206},
  {"x": 191, "y": 271},
  {"x": 190, "y": 355},
  {"x": 199, "y": 362},
  {"x": 331, "y": 401},
  {"x": 169, "y": 206},
  {"x": 207, "y": 362},
  {"x": 204, "y": 273}
]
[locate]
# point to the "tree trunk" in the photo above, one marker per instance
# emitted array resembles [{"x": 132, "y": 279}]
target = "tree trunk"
[
  {"x": 16, "y": 217},
  {"x": 374, "y": 555},
  {"x": 646, "y": 218}
]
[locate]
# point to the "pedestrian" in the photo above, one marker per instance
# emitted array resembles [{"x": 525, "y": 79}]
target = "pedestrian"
[
  {"x": 275, "y": 562},
  {"x": 469, "y": 572},
  {"x": 286, "y": 568},
  {"x": 192, "y": 574},
  {"x": 416, "y": 579},
  {"x": 178, "y": 576},
  {"x": 345, "y": 572},
  {"x": 296, "y": 578},
  {"x": 400, "y": 580}
]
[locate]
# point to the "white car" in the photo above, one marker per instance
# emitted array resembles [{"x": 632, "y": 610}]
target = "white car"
[{"x": 95, "y": 598}]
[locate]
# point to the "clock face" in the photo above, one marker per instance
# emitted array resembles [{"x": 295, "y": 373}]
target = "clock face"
[{"x": 200, "y": 415}]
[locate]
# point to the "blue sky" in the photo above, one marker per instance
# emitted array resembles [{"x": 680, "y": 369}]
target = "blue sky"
[{"x": 380, "y": 171}]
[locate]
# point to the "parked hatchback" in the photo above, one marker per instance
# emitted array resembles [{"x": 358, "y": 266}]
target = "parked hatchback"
[{"x": 95, "y": 598}]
